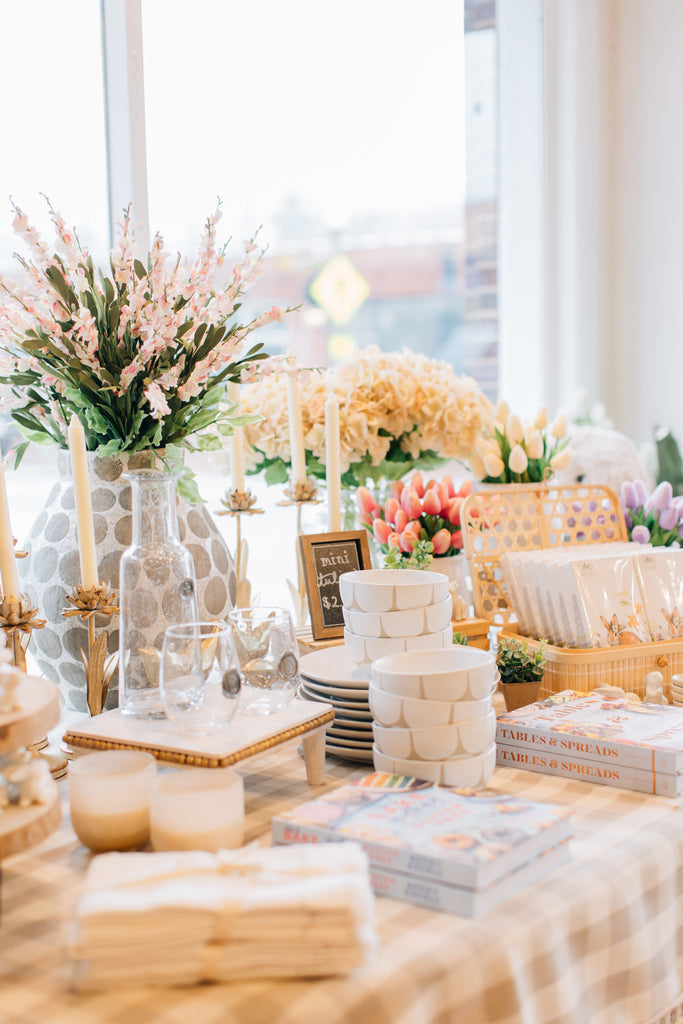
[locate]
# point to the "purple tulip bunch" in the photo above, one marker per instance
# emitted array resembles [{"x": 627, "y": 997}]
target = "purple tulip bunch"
[{"x": 656, "y": 518}]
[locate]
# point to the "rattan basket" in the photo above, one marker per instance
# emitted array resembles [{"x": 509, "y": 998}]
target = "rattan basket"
[
  {"x": 569, "y": 669},
  {"x": 531, "y": 516}
]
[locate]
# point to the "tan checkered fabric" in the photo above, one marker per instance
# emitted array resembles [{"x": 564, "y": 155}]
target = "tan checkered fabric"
[{"x": 597, "y": 942}]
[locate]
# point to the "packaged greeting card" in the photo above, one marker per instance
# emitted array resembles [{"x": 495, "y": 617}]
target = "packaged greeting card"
[
  {"x": 660, "y": 573},
  {"x": 612, "y": 601}
]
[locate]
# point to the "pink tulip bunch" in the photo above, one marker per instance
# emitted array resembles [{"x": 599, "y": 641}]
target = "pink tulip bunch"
[{"x": 415, "y": 513}]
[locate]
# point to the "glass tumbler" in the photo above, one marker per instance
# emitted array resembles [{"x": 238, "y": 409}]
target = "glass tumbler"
[
  {"x": 199, "y": 677},
  {"x": 269, "y": 658}
]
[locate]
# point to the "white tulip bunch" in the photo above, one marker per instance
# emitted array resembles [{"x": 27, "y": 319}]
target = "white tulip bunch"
[{"x": 521, "y": 452}]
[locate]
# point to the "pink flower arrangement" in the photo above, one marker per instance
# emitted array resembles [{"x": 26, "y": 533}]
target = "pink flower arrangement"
[
  {"x": 141, "y": 353},
  {"x": 416, "y": 516}
]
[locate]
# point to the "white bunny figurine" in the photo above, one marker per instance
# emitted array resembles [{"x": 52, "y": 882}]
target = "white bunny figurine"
[{"x": 654, "y": 689}]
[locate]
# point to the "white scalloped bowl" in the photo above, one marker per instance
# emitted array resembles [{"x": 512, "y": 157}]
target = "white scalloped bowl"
[
  {"x": 455, "y": 673},
  {"x": 437, "y": 742},
  {"x": 413, "y": 713},
  {"x": 410, "y": 622},
  {"x": 363, "y": 650},
  {"x": 463, "y": 772},
  {"x": 386, "y": 590}
]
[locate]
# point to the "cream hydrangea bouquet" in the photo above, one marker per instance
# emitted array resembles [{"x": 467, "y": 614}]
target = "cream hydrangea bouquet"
[
  {"x": 396, "y": 409},
  {"x": 520, "y": 453},
  {"x": 140, "y": 354}
]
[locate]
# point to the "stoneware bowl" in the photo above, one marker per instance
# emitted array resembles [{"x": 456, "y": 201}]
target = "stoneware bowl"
[
  {"x": 386, "y": 590},
  {"x": 437, "y": 742},
  {"x": 411, "y": 622},
  {"x": 412, "y": 713},
  {"x": 455, "y": 673},
  {"x": 363, "y": 650},
  {"x": 464, "y": 772}
]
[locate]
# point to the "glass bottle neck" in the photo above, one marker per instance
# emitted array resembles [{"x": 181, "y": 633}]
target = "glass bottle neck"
[{"x": 155, "y": 519}]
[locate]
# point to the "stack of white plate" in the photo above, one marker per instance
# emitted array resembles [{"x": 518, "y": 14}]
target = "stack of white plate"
[
  {"x": 677, "y": 690},
  {"x": 330, "y": 675},
  {"x": 434, "y": 716},
  {"x": 391, "y": 610}
]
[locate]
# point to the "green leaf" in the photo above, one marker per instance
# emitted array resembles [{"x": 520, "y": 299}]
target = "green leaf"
[
  {"x": 19, "y": 453},
  {"x": 58, "y": 282},
  {"x": 277, "y": 473},
  {"x": 140, "y": 269}
]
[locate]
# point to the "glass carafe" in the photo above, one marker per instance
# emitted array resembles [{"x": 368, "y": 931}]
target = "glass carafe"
[{"x": 157, "y": 590}]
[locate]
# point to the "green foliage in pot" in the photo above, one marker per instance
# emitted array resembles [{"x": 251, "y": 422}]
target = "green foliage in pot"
[{"x": 518, "y": 662}]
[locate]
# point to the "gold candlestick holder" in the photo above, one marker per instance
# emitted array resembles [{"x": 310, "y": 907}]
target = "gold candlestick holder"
[
  {"x": 300, "y": 494},
  {"x": 99, "y": 665},
  {"x": 18, "y": 620},
  {"x": 236, "y": 504}
]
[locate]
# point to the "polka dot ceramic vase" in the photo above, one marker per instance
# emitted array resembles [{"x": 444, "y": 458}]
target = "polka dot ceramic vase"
[{"x": 52, "y": 567}]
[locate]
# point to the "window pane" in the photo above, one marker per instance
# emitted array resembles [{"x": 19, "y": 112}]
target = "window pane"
[
  {"x": 340, "y": 128},
  {"x": 53, "y": 118}
]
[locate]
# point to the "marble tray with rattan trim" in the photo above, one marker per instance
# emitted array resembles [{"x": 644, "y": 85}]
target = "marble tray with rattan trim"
[{"x": 245, "y": 738}]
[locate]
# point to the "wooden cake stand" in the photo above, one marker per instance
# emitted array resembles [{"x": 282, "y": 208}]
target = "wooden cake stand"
[{"x": 21, "y": 827}]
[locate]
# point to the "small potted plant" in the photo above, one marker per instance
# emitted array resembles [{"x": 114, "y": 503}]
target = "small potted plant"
[{"x": 521, "y": 671}]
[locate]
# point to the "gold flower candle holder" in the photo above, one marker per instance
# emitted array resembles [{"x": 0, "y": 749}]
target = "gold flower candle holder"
[
  {"x": 18, "y": 620},
  {"x": 99, "y": 665},
  {"x": 300, "y": 493},
  {"x": 237, "y": 503}
]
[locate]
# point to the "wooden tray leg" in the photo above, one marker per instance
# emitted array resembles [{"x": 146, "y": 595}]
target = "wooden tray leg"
[{"x": 314, "y": 757}]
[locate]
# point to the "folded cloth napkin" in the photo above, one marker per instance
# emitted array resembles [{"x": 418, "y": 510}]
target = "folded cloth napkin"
[{"x": 182, "y": 918}]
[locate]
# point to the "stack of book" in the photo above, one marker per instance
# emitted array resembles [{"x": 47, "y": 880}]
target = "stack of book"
[
  {"x": 587, "y": 736},
  {"x": 462, "y": 851}
]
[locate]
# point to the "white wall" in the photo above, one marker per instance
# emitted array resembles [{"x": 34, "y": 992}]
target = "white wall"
[
  {"x": 611, "y": 199},
  {"x": 648, "y": 236}
]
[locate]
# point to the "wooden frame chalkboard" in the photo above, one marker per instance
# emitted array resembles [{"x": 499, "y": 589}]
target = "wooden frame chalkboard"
[{"x": 325, "y": 556}]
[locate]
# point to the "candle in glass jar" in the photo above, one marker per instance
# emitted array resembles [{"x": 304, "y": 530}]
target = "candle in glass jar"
[
  {"x": 86, "y": 529},
  {"x": 197, "y": 809},
  {"x": 109, "y": 797},
  {"x": 8, "y": 562},
  {"x": 236, "y": 449},
  {"x": 296, "y": 432},
  {"x": 332, "y": 463}
]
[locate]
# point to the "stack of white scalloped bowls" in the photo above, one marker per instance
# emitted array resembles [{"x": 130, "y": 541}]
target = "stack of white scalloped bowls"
[
  {"x": 433, "y": 715},
  {"x": 387, "y": 611}
]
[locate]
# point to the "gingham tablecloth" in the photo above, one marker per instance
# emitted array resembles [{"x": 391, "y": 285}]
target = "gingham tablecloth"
[{"x": 597, "y": 942}]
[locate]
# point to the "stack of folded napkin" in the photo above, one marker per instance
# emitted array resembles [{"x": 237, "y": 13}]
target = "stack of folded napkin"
[{"x": 184, "y": 918}]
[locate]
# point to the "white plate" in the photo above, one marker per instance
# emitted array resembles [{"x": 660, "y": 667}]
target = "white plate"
[
  {"x": 322, "y": 692},
  {"x": 351, "y": 734},
  {"x": 352, "y": 714},
  {"x": 360, "y": 692},
  {"x": 355, "y": 744},
  {"x": 334, "y": 665},
  {"x": 336, "y": 704},
  {"x": 350, "y": 753}
]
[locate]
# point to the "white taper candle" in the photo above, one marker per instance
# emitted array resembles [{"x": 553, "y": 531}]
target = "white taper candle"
[
  {"x": 296, "y": 432},
  {"x": 86, "y": 528},
  {"x": 8, "y": 562},
  {"x": 236, "y": 443},
  {"x": 333, "y": 463}
]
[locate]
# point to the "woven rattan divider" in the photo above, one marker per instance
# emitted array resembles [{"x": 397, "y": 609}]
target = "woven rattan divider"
[{"x": 526, "y": 517}]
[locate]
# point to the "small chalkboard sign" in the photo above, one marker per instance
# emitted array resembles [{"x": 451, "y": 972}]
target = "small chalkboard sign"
[{"x": 325, "y": 557}]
